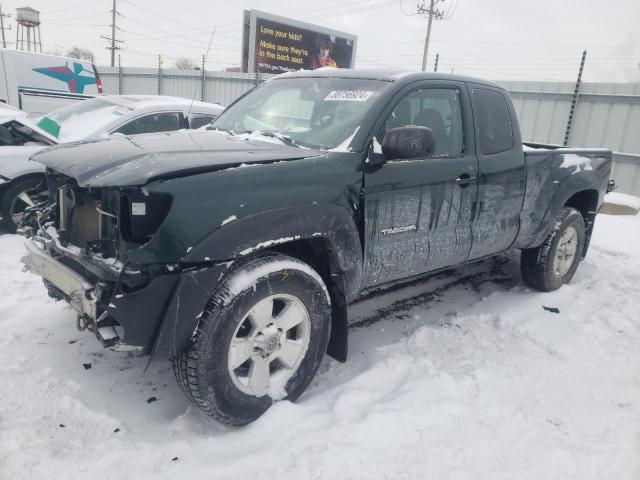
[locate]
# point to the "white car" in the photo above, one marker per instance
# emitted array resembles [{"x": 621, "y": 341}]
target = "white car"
[{"x": 22, "y": 181}]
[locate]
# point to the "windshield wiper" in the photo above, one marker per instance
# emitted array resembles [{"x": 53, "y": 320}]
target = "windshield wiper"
[
  {"x": 226, "y": 130},
  {"x": 286, "y": 139}
]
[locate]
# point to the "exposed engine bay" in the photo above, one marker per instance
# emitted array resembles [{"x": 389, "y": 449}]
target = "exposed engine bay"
[{"x": 80, "y": 238}]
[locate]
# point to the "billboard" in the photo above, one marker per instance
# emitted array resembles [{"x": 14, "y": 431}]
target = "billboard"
[{"x": 274, "y": 44}]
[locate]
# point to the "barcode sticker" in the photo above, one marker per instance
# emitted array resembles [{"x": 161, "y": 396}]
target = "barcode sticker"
[
  {"x": 138, "y": 208},
  {"x": 348, "y": 96}
]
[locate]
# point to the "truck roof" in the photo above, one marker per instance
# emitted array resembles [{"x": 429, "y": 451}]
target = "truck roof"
[{"x": 383, "y": 74}]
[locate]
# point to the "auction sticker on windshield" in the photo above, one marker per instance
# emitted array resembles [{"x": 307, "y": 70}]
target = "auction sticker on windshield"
[{"x": 348, "y": 96}]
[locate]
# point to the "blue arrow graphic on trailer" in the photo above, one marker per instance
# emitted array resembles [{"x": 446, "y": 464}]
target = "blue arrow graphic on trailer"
[{"x": 72, "y": 77}]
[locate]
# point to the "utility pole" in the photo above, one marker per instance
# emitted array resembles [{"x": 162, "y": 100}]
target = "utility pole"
[
  {"x": 2, "y": 17},
  {"x": 112, "y": 39},
  {"x": 432, "y": 12},
  {"x": 113, "y": 34}
]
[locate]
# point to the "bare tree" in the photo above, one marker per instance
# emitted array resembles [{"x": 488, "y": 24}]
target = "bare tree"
[
  {"x": 186, "y": 64},
  {"x": 56, "y": 50},
  {"x": 80, "y": 53}
]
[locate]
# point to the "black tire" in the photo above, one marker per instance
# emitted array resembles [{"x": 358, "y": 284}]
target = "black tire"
[
  {"x": 202, "y": 369},
  {"x": 10, "y": 195},
  {"x": 537, "y": 264}
]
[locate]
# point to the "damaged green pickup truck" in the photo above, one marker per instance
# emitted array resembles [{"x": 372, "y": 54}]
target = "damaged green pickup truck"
[{"x": 234, "y": 252}]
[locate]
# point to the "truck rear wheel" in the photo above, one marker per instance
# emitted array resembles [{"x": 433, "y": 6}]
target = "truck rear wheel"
[
  {"x": 260, "y": 339},
  {"x": 552, "y": 264}
]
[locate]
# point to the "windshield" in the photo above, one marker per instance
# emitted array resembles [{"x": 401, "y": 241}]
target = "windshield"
[
  {"x": 81, "y": 119},
  {"x": 313, "y": 112}
]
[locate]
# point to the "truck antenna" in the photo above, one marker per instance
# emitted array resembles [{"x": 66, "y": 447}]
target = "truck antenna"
[{"x": 204, "y": 61}]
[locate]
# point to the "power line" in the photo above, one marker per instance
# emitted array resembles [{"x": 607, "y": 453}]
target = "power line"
[
  {"x": 355, "y": 11},
  {"x": 545, "y": 45},
  {"x": 73, "y": 7},
  {"x": 165, "y": 17},
  {"x": 79, "y": 24},
  {"x": 451, "y": 10},
  {"x": 82, "y": 17},
  {"x": 164, "y": 41}
]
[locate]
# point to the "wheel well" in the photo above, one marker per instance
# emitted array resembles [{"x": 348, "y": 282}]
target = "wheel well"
[
  {"x": 29, "y": 176},
  {"x": 586, "y": 202},
  {"x": 318, "y": 253},
  {"x": 14, "y": 181},
  {"x": 21, "y": 178}
]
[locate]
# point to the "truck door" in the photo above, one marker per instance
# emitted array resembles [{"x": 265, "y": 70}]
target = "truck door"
[
  {"x": 418, "y": 212},
  {"x": 501, "y": 184}
]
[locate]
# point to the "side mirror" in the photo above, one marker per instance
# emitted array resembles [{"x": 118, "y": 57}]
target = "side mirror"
[{"x": 408, "y": 142}]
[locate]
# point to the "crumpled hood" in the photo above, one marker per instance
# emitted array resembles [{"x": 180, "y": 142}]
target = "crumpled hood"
[{"x": 138, "y": 159}]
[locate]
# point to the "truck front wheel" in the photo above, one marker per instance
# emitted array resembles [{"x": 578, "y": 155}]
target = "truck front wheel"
[
  {"x": 552, "y": 264},
  {"x": 260, "y": 339}
]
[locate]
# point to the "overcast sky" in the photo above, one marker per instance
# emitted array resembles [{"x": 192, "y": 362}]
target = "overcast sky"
[{"x": 494, "y": 39}]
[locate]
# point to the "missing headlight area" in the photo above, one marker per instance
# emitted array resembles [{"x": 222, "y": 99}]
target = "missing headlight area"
[
  {"x": 103, "y": 222},
  {"x": 142, "y": 215},
  {"x": 88, "y": 219}
]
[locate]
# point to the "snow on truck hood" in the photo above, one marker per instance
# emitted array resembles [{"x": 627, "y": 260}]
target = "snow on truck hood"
[{"x": 135, "y": 160}]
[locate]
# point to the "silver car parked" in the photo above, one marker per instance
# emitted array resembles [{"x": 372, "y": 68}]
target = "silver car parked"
[{"x": 22, "y": 181}]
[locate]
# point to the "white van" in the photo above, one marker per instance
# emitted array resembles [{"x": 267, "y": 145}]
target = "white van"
[{"x": 37, "y": 83}]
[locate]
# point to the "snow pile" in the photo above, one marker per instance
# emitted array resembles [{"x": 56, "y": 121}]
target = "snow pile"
[
  {"x": 578, "y": 161},
  {"x": 461, "y": 376},
  {"x": 623, "y": 199},
  {"x": 247, "y": 278},
  {"x": 230, "y": 219}
]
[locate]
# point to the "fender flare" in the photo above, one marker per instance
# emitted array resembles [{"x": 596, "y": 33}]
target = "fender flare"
[
  {"x": 567, "y": 188},
  {"x": 255, "y": 233},
  {"x": 333, "y": 223}
]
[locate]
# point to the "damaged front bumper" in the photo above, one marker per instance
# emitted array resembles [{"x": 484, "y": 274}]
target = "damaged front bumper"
[
  {"x": 64, "y": 283},
  {"x": 158, "y": 317},
  {"x": 79, "y": 292}
]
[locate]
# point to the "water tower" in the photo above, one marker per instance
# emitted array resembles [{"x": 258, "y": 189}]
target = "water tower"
[{"x": 28, "y": 19}]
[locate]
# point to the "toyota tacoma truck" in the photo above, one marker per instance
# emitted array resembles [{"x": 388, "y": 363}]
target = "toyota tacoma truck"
[{"x": 233, "y": 252}]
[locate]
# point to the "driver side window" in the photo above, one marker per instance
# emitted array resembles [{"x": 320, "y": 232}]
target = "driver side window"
[{"x": 436, "y": 108}]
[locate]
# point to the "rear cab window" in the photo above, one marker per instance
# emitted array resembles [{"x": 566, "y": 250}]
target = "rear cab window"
[{"x": 495, "y": 130}]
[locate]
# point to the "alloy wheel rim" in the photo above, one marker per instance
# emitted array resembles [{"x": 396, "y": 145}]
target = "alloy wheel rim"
[
  {"x": 565, "y": 252},
  {"x": 268, "y": 346},
  {"x": 25, "y": 199}
]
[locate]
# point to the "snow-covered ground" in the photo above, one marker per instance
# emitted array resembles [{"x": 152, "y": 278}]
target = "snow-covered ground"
[
  {"x": 462, "y": 376},
  {"x": 617, "y": 198}
]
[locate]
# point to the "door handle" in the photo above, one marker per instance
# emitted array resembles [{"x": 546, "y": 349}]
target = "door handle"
[{"x": 465, "y": 180}]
